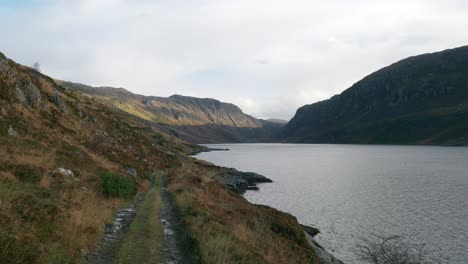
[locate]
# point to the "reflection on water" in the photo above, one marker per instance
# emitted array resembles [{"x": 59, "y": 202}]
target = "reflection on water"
[{"x": 351, "y": 190}]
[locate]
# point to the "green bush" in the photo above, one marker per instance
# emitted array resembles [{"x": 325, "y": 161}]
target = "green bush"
[{"x": 117, "y": 186}]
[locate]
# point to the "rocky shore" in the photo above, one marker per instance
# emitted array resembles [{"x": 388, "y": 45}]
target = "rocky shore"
[
  {"x": 324, "y": 256},
  {"x": 239, "y": 181},
  {"x": 200, "y": 149}
]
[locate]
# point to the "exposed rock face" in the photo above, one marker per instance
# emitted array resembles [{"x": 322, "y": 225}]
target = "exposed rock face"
[
  {"x": 239, "y": 181},
  {"x": 19, "y": 85},
  {"x": 196, "y": 120},
  {"x": 33, "y": 96},
  {"x": 419, "y": 100}
]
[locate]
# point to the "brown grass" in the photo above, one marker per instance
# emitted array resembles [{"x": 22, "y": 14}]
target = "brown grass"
[
  {"x": 8, "y": 176},
  {"x": 45, "y": 182},
  {"x": 85, "y": 216},
  {"x": 229, "y": 229}
]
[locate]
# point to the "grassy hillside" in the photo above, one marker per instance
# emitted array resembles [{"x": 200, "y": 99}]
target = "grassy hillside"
[
  {"x": 419, "y": 100},
  {"x": 68, "y": 161}
]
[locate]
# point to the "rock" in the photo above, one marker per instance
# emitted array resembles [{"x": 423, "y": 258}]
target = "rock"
[
  {"x": 33, "y": 95},
  {"x": 324, "y": 256},
  {"x": 64, "y": 172},
  {"x": 12, "y": 132},
  {"x": 58, "y": 102},
  {"x": 312, "y": 231},
  {"x": 4, "y": 112},
  {"x": 239, "y": 181},
  {"x": 132, "y": 172},
  {"x": 20, "y": 96}
]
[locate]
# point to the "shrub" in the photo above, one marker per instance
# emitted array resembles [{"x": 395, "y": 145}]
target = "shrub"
[
  {"x": 117, "y": 186},
  {"x": 390, "y": 249}
]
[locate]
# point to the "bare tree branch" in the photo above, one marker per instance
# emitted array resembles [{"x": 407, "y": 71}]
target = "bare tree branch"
[{"x": 380, "y": 249}]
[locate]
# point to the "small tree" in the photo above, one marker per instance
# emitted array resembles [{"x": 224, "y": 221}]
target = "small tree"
[
  {"x": 380, "y": 249},
  {"x": 36, "y": 66}
]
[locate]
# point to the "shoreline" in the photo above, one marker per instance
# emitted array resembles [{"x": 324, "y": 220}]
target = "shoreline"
[
  {"x": 195, "y": 151},
  {"x": 240, "y": 182}
]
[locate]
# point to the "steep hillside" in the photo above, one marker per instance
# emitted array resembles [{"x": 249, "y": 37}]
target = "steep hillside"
[
  {"x": 196, "y": 120},
  {"x": 419, "y": 100},
  {"x": 68, "y": 162},
  {"x": 56, "y": 145}
]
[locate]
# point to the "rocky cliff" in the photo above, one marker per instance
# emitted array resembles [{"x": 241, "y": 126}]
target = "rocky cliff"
[
  {"x": 419, "y": 100},
  {"x": 196, "y": 120}
]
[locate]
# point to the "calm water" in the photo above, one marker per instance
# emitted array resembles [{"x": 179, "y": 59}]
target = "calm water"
[{"x": 348, "y": 191}]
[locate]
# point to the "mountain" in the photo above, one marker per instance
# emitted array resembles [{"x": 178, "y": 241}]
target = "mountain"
[
  {"x": 75, "y": 171},
  {"x": 277, "y": 121},
  {"x": 196, "y": 120},
  {"x": 419, "y": 100}
]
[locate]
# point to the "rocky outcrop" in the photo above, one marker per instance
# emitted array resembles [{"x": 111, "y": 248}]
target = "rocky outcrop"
[
  {"x": 199, "y": 149},
  {"x": 20, "y": 85},
  {"x": 324, "y": 256},
  {"x": 239, "y": 181}
]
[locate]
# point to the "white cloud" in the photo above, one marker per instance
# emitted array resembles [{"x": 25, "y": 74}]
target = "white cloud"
[{"x": 270, "y": 57}]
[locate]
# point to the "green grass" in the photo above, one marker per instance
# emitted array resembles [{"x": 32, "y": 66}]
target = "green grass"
[{"x": 143, "y": 243}]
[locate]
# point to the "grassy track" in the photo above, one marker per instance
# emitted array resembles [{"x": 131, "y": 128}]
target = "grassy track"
[{"x": 144, "y": 240}]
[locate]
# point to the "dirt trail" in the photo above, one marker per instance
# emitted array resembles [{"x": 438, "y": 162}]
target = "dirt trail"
[
  {"x": 107, "y": 250},
  {"x": 127, "y": 238},
  {"x": 178, "y": 248}
]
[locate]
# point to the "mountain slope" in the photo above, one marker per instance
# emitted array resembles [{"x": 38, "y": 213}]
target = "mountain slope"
[
  {"x": 419, "y": 100},
  {"x": 196, "y": 120}
]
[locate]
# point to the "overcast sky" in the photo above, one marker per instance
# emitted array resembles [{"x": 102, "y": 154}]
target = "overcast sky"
[{"x": 267, "y": 56}]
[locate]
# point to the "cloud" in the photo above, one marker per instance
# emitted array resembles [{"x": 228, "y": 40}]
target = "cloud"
[{"x": 270, "y": 57}]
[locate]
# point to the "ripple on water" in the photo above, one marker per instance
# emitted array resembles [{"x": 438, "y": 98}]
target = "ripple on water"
[{"x": 348, "y": 191}]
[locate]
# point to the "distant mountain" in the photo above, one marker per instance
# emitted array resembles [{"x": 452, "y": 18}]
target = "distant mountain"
[
  {"x": 419, "y": 100},
  {"x": 196, "y": 120},
  {"x": 277, "y": 121}
]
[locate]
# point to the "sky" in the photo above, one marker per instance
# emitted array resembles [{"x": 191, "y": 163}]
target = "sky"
[{"x": 269, "y": 57}]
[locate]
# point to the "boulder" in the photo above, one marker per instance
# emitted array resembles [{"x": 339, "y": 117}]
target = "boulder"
[
  {"x": 63, "y": 172},
  {"x": 132, "y": 172},
  {"x": 12, "y": 132}
]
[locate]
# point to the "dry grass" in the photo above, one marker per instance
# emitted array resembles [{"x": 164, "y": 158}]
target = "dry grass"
[
  {"x": 8, "y": 176},
  {"x": 228, "y": 229},
  {"x": 46, "y": 181},
  {"x": 84, "y": 219}
]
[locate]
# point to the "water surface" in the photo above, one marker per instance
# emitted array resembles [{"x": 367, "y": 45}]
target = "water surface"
[{"x": 348, "y": 191}]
